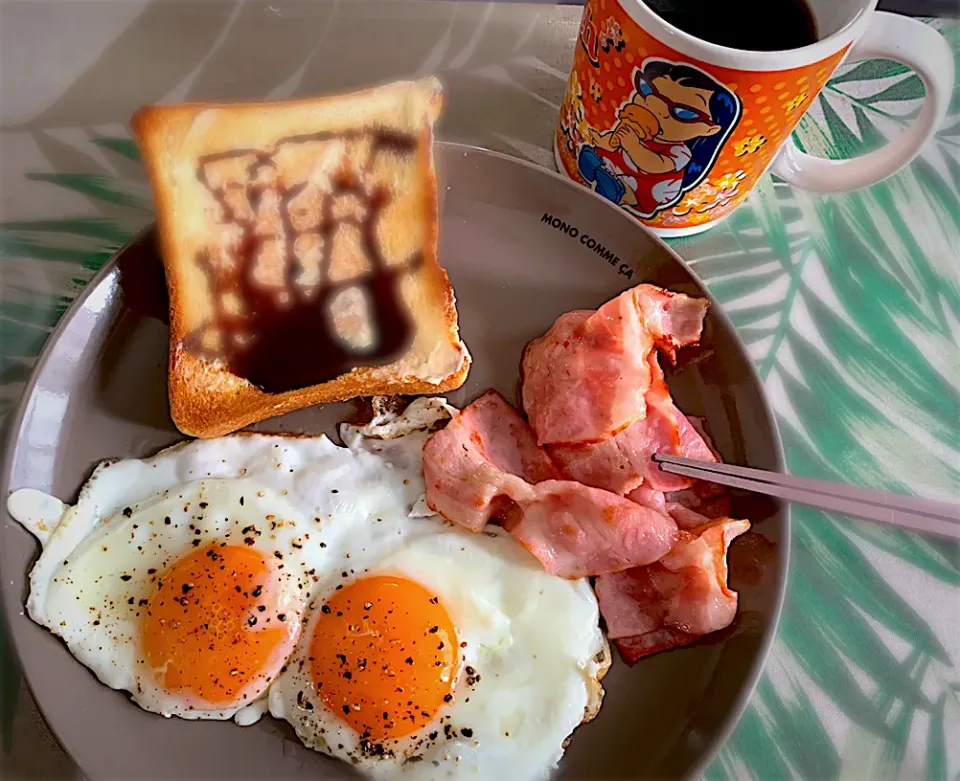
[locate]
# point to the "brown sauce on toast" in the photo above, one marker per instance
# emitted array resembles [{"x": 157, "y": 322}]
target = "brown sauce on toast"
[{"x": 285, "y": 340}]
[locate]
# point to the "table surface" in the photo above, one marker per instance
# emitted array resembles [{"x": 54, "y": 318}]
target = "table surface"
[{"x": 849, "y": 304}]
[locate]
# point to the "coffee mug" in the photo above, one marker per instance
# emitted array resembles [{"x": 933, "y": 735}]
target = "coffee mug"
[{"x": 677, "y": 130}]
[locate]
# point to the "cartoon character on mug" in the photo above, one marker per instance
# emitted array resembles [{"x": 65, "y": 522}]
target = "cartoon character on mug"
[{"x": 665, "y": 140}]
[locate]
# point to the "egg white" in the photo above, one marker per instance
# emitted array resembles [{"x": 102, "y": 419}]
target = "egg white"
[
  {"x": 347, "y": 512},
  {"x": 97, "y": 553},
  {"x": 533, "y": 646}
]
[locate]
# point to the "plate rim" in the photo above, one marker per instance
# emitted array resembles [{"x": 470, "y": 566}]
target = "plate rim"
[{"x": 13, "y": 425}]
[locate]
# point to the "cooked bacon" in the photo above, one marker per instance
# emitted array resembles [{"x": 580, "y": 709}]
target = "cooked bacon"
[
  {"x": 486, "y": 451},
  {"x": 699, "y": 426},
  {"x": 676, "y": 600},
  {"x": 485, "y": 465},
  {"x": 599, "y": 410},
  {"x": 632, "y": 649},
  {"x": 692, "y": 441},
  {"x": 587, "y": 378},
  {"x": 506, "y": 438},
  {"x": 688, "y": 444},
  {"x": 461, "y": 483},
  {"x": 584, "y": 379},
  {"x": 576, "y": 531},
  {"x": 649, "y": 497},
  {"x": 674, "y": 319},
  {"x": 698, "y": 504},
  {"x": 623, "y": 462},
  {"x": 685, "y": 517}
]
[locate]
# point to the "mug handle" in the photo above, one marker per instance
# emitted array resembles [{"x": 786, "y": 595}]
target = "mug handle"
[{"x": 917, "y": 46}]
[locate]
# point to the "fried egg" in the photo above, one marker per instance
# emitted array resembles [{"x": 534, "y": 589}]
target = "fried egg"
[
  {"x": 182, "y": 578},
  {"x": 445, "y": 655},
  {"x": 221, "y": 578}
]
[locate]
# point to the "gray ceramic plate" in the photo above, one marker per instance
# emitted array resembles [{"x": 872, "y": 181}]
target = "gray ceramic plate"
[{"x": 522, "y": 246}]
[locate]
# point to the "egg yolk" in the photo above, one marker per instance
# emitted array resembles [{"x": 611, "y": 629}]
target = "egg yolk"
[
  {"x": 384, "y": 656},
  {"x": 208, "y": 629}
]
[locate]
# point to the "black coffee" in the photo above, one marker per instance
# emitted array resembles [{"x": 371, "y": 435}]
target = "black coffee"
[{"x": 758, "y": 25}]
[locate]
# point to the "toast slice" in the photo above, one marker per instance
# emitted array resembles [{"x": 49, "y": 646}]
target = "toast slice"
[{"x": 299, "y": 241}]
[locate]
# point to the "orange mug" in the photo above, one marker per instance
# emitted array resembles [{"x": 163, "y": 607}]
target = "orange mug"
[{"x": 677, "y": 130}]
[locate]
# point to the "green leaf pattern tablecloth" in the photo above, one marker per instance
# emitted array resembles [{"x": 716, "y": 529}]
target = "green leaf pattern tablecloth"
[{"x": 849, "y": 304}]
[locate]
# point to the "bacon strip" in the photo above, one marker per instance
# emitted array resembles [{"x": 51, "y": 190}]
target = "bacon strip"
[
  {"x": 587, "y": 378},
  {"x": 576, "y": 531},
  {"x": 623, "y": 462},
  {"x": 697, "y": 505},
  {"x": 485, "y": 465},
  {"x": 600, "y": 409},
  {"x": 676, "y": 600},
  {"x": 584, "y": 379},
  {"x": 674, "y": 319},
  {"x": 485, "y": 452}
]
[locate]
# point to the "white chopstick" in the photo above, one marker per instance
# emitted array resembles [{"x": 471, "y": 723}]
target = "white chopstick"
[{"x": 920, "y": 515}]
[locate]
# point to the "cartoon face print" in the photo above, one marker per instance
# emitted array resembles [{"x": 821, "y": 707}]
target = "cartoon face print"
[
  {"x": 665, "y": 140},
  {"x": 682, "y": 111}
]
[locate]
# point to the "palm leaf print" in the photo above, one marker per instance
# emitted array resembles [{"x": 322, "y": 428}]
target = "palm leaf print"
[
  {"x": 86, "y": 243},
  {"x": 850, "y": 309}
]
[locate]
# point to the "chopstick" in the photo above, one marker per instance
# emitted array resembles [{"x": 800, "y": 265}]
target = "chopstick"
[{"x": 920, "y": 515}]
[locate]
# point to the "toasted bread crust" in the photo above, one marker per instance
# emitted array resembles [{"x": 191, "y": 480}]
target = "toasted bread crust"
[{"x": 206, "y": 398}]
